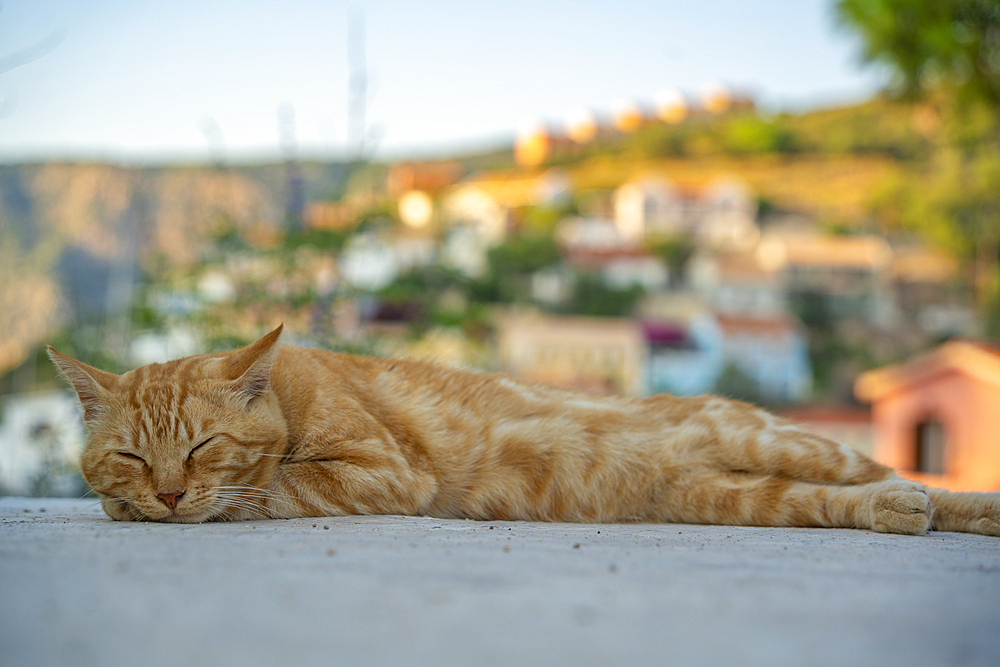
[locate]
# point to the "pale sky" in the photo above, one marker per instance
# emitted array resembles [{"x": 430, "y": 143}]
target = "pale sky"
[{"x": 139, "y": 80}]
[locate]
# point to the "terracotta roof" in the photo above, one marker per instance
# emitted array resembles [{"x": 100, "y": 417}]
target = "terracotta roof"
[
  {"x": 865, "y": 252},
  {"x": 691, "y": 193},
  {"x": 598, "y": 257},
  {"x": 758, "y": 326},
  {"x": 431, "y": 176},
  {"x": 741, "y": 265},
  {"x": 506, "y": 193},
  {"x": 923, "y": 265},
  {"x": 976, "y": 359},
  {"x": 511, "y": 189},
  {"x": 992, "y": 348}
]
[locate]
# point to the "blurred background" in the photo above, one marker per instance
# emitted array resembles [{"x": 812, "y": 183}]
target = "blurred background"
[{"x": 794, "y": 203}]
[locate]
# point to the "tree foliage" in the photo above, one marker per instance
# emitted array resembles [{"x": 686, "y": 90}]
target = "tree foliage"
[
  {"x": 946, "y": 54},
  {"x": 593, "y": 297},
  {"x": 511, "y": 264},
  {"x": 932, "y": 43}
]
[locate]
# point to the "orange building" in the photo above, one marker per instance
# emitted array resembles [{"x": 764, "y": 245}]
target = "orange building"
[
  {"x": 329, "y": 215},
  {"x": 937, "y": 416},
  {"x": 431, "y": 177}
]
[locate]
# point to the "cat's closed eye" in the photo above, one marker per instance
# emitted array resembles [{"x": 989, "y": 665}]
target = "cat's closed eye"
[
  {"x": 199, "y": 446},
  {"x": 134, "y": 457}
]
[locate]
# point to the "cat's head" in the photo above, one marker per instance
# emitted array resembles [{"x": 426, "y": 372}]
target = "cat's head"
[{"x": 185, "y": 441}]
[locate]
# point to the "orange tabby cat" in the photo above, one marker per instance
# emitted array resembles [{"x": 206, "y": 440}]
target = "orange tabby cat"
[{"x": 267, "y": 431}]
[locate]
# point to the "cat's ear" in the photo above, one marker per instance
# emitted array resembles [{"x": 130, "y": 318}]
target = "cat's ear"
[
  {"x": 250, "y": 367},
  {"x": 92, "y": 385}
]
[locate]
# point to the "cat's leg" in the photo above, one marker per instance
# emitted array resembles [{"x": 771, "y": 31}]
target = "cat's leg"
[
  {"x": 337, "y": 487},
  {"x": 732, "y": 498},
  {"x": 966, "y": 512},
  {"x": 734, "y": 436},
  {"x": 737, "y": 437}
]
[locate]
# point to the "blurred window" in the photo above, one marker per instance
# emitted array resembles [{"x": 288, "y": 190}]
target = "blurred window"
[{"x": 929, "y": 447}]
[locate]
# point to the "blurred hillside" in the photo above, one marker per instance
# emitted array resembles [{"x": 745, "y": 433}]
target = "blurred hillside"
[
  {"x": 80, "y": 240},
  {"x": 827, "y": 163}
]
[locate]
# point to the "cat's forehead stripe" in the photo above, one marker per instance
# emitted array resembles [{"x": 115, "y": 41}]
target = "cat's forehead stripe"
[
  {"x": 180, "y": 370},
  {"x": 157, "y": 398}
]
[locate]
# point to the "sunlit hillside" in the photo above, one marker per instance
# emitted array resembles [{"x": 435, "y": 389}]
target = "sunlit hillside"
[{"x": 72, "y": 225}]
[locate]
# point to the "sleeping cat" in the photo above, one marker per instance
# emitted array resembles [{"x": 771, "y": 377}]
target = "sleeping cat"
[{"x": 271, "y": 431}]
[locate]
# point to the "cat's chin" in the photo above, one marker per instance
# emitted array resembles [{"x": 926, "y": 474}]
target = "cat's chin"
[
  {"x": 121, "y": 510},
  {"x": 173, "y": 518},
  {"x": 185, "y": 517}
]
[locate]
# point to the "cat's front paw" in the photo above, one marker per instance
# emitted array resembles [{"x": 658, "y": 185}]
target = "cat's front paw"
[{"x": 900, "y": 506}]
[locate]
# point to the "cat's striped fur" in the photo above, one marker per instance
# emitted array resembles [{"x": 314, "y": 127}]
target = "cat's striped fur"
[{"x": 274, "y": 432}]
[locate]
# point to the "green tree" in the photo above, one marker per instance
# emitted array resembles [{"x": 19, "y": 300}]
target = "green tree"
[
  {"x": 511, "y": 265},
  {"x": 593, "y": 297},
  {"x": 676, "y": 251},
  {"x": 322, "y": 239},
  {"x": 946, "y": 54},
  {"x": 748, "y": 134},
  {"x": 735, "y": 383},
  {"x": 932, "y": 44}
]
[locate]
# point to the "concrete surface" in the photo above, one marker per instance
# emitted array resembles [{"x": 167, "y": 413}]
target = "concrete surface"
[{"x": 77, "y": 589}]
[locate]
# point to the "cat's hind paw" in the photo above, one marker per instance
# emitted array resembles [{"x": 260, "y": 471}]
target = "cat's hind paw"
[
  {"x": 900, "y": 507},
  {"x": 985, "y": 511},
  {"x": 986, "y": 526},
  {"x": 966, "y": 512}
]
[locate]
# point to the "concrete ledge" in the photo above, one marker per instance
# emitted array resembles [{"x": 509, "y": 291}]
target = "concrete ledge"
[{"x": 78, "y": 589}]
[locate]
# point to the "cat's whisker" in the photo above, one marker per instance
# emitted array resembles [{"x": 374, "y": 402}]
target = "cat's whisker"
[
  {"x": 244, "y": 495},
  {"x": 253, "y": 488},
  {"x": 226, "y": 515},
  {"x": 221, "y": 512},
  {"x": 235, "y": 500},
  {"x": 256, "y": 492},
  {"x": 98, "y": 502},
  {"x": 251, "y": 515},
  {"x": 260, "y": 501},
  {"x": 92, "y": 505},
  {"x": 239, "y": 499},
  {"x": 136, "y": 515}
]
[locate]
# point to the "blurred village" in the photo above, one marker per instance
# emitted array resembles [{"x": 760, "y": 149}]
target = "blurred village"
[{"x": 688, "y": 244}]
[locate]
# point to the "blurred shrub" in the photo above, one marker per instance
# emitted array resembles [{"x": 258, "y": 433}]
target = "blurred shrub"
[
  {"x": 591, "y": 296},
  {"x": 751, "y": 134}
]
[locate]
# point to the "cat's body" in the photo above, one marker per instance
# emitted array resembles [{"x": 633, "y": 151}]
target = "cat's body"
[{"x": 279, "y": 432}]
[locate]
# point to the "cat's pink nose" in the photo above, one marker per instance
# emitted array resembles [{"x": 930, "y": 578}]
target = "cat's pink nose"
[{"x": 170, "y": 499}]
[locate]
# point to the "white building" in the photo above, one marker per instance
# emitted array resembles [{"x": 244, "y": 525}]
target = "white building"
[
  {"x": 735, "y": 283},
  {"x": 721, "y": 214},
  {"x": 41, "y": 438},
  {"x": 650, "y": 206}
]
